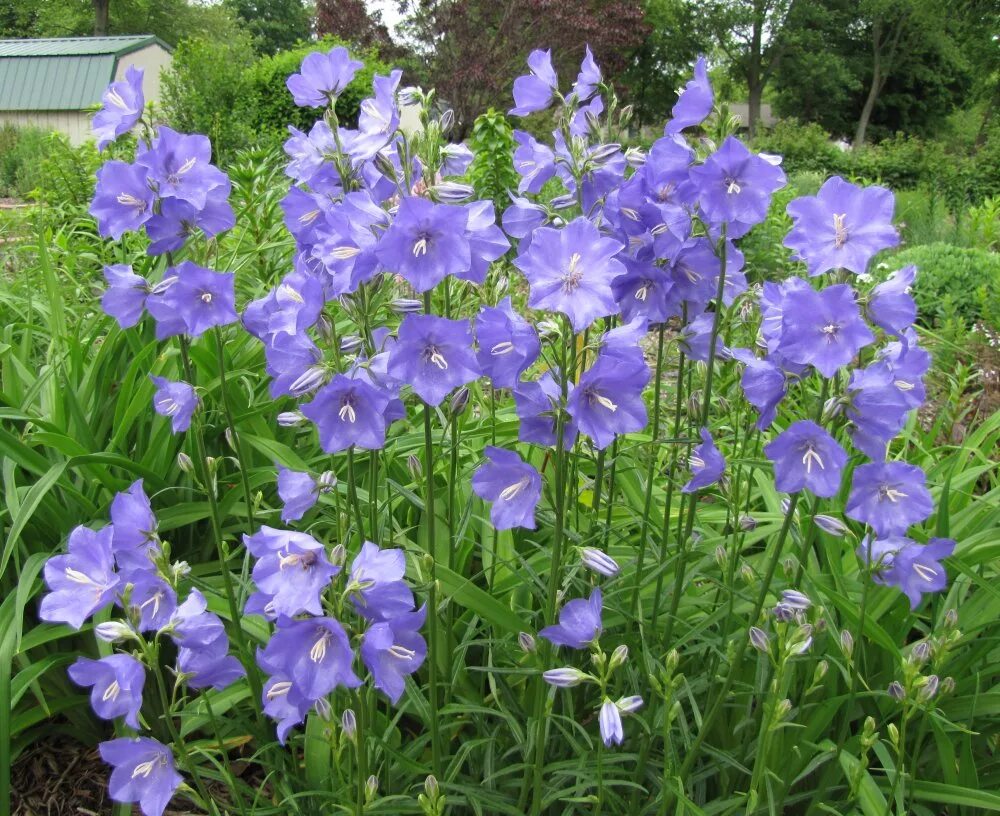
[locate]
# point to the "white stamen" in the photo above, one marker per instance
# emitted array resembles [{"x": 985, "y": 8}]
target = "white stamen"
[
  {"x": 309, "y": 217},
  {"x": 279, "y": 689},
  {"x": 734, "y": 187},
  {"x": 130, "y": 200},
  {"x": 438, "y": 359},
  {"x": 810, "y": 456},
  {"x": 604, "y": 402},
  {"x": 642, "y": 292},
  {"x": 696, "y": 462},
  {"x": 401, "y": 652},
  {"x": 115, "y": 99},
  {"x": 345, "y": 253},
  {"x": 903, "y": 385},
  {"x": 186, "y": 166},
  {"x": 155, "y": 601},
  {"x": 167, "y": 406},
  {"x": 506, "y": 347},
  {"x": 659, "y": 229},
  {"x": 420, "y": 248},
  {"x": 629, "y": 213},
  {"x": 318, "y": 651},
  {"x": 511, "y": 491},
  {"x": 144, "y": 769},
  {"x": 925, "y": 572},
  {"x": 347, "y": 413},
  {"x": 206, "y": 297},
  {"x": 78, "y": 577},
  {"x": 292, "y": 294},
  {"x": 839, "y": 230},
  {"x": 891, "y": 493},
  {"x": 573, "y": 276},
  {"x": 111, "y": 692}
]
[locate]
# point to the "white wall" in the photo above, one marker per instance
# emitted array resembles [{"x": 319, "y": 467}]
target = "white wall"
[
  {"x": 154, "y": 60},
  {"x": 75, "y": 124}
]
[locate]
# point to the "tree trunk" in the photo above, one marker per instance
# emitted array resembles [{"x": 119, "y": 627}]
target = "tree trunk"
[
  {"x": 101, "y": 9},
  {"x": 873, "y": 89},
  {"x": 755, "y": 79}
]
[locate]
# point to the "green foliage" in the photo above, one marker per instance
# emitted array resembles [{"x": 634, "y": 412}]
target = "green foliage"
[
  {"x": 21, "y": 151},
  {"x": 804, "y": 147},
  {"x": 954, "y": 281},
  {"x": 492, "y": 172},
  {"x": 274, "y": 24}
]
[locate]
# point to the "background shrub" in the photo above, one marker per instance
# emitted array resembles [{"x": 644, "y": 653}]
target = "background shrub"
[
  {"x": 21, "y": 151},
  {"x": 492, "y": 171}
]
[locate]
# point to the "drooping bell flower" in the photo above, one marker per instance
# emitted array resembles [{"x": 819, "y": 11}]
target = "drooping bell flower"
[
  {"x": 805, "y": 456},
  {"x": 914, "y": 569},
  {"x": 192, "y": 625},
  {"x": 322, "y": 77},
  {"x": 889, "y": 497},
  {"x": 534, "y": 91},
  {"x": 134, "y": 524},
  {"x": 841, "y": 227},
  {"x": 376, "y": 584},
  {"x": 290, "y": 308},
  {"x": 512, "y": 485},
  {"x": 291, "y": 573},
  {"x": 695, "y": 338},
  {"x": 823, "y": 329},
  {"x": 426, "y": 242},
  {"x": 123, "y": 200},
  {"x": 706, "y": 462},
  {"x": 735, "y": 186},
  {"x": 314, "y": 653},
  {"x": 522, "y": 218},
  {"x": 177, "y": 220},
  {"x": 346, "y": 243},
  {"x": 176, "y": 400},
  {"x": 433, "y": 355},
  {"x": 308, "y": 152},
  {"x": 379, "y": 114},
  {"x": 508, "y": 344},
  {"x": 579, "y": 623},
  {"x": 298, "y": 492},
  {"x": 570, "y": 270},
  {"x": 349, "y": 411},
  {"x": 209, "y": 666},
  {"x": 486, "y": 240},
  {"x": 694, "y": 102},
  {"x": 891, "y": 306},
  {"x": 607, "y": 401},
  {"x": 178, "y": 165},
  {"x": 194, "y": 301},
  {"x": 152, "y": 601},
  {"x": 610, "y": 721},
  {"x": 536, "y": 404},
  {"x": 764, "y": 385},
  {"x": 143, "y": 772},
  {"x": 589, "y": 77},
  {"x": 116, "y": 682},
  {"x": 121, "y": 107},
  {"x": 283, "y": 702},
  {"x": 534, "y": 162},
  {"x": 393, "y": 649},
  {"x": 83, "y": 581},
  {"x": 646, "y": 291},
  {"x": 125, "y": 297},
  {"x": 877, "y": 409}
]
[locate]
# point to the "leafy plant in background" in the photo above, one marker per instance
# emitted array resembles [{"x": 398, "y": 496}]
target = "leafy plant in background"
[
  {"x": 492, "y": 173},
  {"x": 619, "y": 584}
]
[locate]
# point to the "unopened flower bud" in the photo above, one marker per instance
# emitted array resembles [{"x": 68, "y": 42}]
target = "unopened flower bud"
[
  {"x": 947, "y": 685},
  {"x": 831, "y": 525},
  {"x": 563, "y": 201},
  {"x": 802, "y": 639},
  {"x": 526, "y": 642},
  {"x": 832, "y": 408},
  {"x": 593, "y": 122},
  {"x": 385, "y": 166},
  {"x": 230, "y": 438},
  {"x": 782, "y": 709},
  {"x": 747, "y": 574},
  {"x": 371, "y": 787},
  {"x": 327, "y": 481},
  {"x": 928, "y": 689},
  {"x": 896, "y": 690},
  {"x": 459, "y": 401},
  {"x": 350, "y": 343},
  {"x": 322, "y": 708},
  {"x": 921, "y": 653},
  {"x": 180, "y": 569},
  {"x": 115, "y": 632},
  {"x": 795, "y": 599},
  {"x": 349, "y": 722},
  {"x": 338, "y": 555},
  {"x": 893, "y": 734},
  {"x": 603, "y": 154},
  {"x": 619, "y": 657},
  {"x": 447, "y": 120},
  {"x": 672, "y": 661},
  {"x": 548, "y": 329},
  {"x": 846, "y": 643},
  {"x": 564, "y": 678},
  {"x": 635, "y": 157},
  {"x": 821, "y": 669},
  {"x": 759, "y": 640},
  {"x": 309, "y": 380},
  {"x": 431, "y": 787},
  {"x": 694, "y": 405},
  {"x": 185, "y": 463},
  {"x": 414, "y": 466},
  {"x": 748, "y": 523},
  {"x": 600, "y": 562},
  {"x": 451, "y": 192},
  {"x": 786, "y": 505},
  {"x": 406, "y": 305},
  {"x": 629, "y": 705},
  {"x": 289, "y": 419},
  {"x": 951, "y": 618},
  {"x": 721, "y": 556}
]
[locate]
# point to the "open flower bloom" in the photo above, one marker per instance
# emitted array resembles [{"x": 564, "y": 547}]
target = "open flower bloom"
[
  {"x": 322, "y": 77},
  {"x": 283, "y": 702},
  {"x": 889, "y": 497},
  {"x": 706, "y": 462},
  {"x": 152, "y": 600},
  {"x": 314, "y": 653},
  {"x": 915, "y": 569},
  {"x": 125, "y": 297},
  {"x": 143, "y": 772},
  {"x": 393, "y": 649},
  {"x": 805, "y": 456},
  {"x": 83, "y": 581},
  {"x": 291, "y": 572},
  {"x": 514, "y": 487},
  {"x": 841, "y": 227},
  {"x": 434, "y": 355},
  {"x": 377, "y": 588},
  {"x": 209, "y": 666},
  {"x": 349, "y": 412},
  {"x": 589, "y": 77},
  {"x": 570, "y": 270},
  {"x": 176, "y": 400},
  {"x": 764, "y": 385},
  {"x": 579, "y": 623},
  {"x": 508, "y": 344},
  {"x": 535, "y": 164},
  {"x": 179, "y": 165},
  {"x": 891, "y": 306},
  {"x": 117, "y": 682},
  {"x": 192, "y": 625},
  {"x": 694, "y": 102},
  {"x": 877, "y": 407},
  {"x": 426, "y": 242},
  {"x": 298, "y": 491},
  {"x": 607, "y": 401},
  {"x": 534, "y": 91},
  {"x": 823, "y": 329},
  {"x": 121, "y": 107},
  {"x": 123, "y": 199},
  {"x": 191, "y": 300}
]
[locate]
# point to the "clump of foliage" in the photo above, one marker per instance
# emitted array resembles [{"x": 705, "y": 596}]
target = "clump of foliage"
[{"x": 492, "y": 173}]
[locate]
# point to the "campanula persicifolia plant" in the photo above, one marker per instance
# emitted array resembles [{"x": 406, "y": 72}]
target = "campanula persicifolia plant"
[{"x": 527, "y": 437}]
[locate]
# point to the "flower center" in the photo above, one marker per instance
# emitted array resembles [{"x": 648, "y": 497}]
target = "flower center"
[
  {"x": 696, "y": 462},
  {"x": 206, "y": 297},
  {"x": 112, "y": 691},
  {"x": 839, "y": 230},
  {"x": 144, "y": 769},
  {"x": 116, "y": 99},
  {"x": 155, "y": 601},
  {"x": 130, "y": 200},
  {"x": 903, "y": 385},
  {"x": 175, "y": 177},
  {"x": 279, "y": 689},
  {"x": 309, "y": 217},
  {"x": 643, "y": 291},
  {"x": 506, "y": 347},
  {"x": 733, "y": 187},
  {"x": 345, "y": 253},
  {"x": 513, "y": 490},
  {"x": 168, "y": 406},
  {"x": 318, "y": 651},
  {"x": 629, "y": 213},
  {"x": 432, "y": 354},
  {"x": 831, "y": 330},
  {"x": 347, "y": 412},
  {"x": 811, "y": 456},
  {"x": 290, "y": 559},
  {"x": 925, "y": 572},
  {"x": 601, "y": 400},
  {"x": 420, "y": 247},
  {"x": 291, "y": 294},
  {"x": 401, "y": 652},
  {"x": 571, "y": 280},
  {"x": 889, "y": 492}
]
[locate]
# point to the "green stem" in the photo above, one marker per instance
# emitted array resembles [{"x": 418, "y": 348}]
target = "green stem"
[
  {"x": 362, "y": 752},
  {"x": 233, "y": 432},
  {"x": 352, "y": 492}
]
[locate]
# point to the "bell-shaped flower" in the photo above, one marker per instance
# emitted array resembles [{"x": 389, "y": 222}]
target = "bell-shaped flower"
[
  {"x": 426, "y": 242},
  {"x": 486, "y": 240},
  {"x": 116, "y": 682},
  {"x": 534, "y": 162},
  {"x": 298, "y": 492},
  {"x": 143, "y": 772},
  {"x": 534, "y": 91},
  {"x": 209, "y": 666},
  {"x": 805, "y": 456},
  {"x": 291, "y": 573},
  {"x": 121, "y": 107},
  {"x": 125, "y": 297},
  {"x": 393, "y": 649},
  {"x": 433, "y": 355},
  {"x": 891, "y": 306},
  {"x": 192, "y": 625},
  {"x": 579, "y": 623},
  {"x": 283, "y": 702},
  {"x": 764, "y": 385},
  {"x": 823, "y": 329},
  {"x": 508, "y": 344},
  {"x": 314, "y": 653},
  {"x": 694, "y": 102},
  {"x": 706, "y": 462},
  {"x": 607, "y": 401},
  {"x": 512, "y": 485},
  {"x": 322, "y": 77},
  {"x": 589, "y": 77},
  {"x": 376, "y": 584},
  {"x": 877, "y": 409},
  {"x": 83, "y": 581},
  {"x": 644, "y": 290},
  {"x": 123, "y": 200},
  {"x": 349, "y": 412},
  {"x": 889, "y": 497},
  {"x": 152, "y": 600},
  {"x": 735, "y": 186},
  {"x": 610, "y": 721},
  {"x": 194, "y": 301},
  {"x": 537, "y": 404},
  {"x": 135, "y": 538},
  {"x": 179, "y": 165},
  {"x": 176, "y": 400},
  {"x": 915, "y": 569}
]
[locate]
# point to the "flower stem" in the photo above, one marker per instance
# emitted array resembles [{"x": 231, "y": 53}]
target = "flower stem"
[{"x": 234, "y": 434}]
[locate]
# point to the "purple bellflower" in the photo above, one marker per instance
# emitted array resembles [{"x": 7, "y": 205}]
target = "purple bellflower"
[
  {"x": 426, "y": 242},
  {"x": 806, "y": 456},
  {"x": 121, "y": 107},
  {"x": 877, "y": 408},
  {"x": 284, "y": 703},
  {"x": 135, "y": 541},
  {"x": 143, "y": 772},
  {"x": 123, "y": 200},
  {"x": 508, "y": 344},
  {"x": 322, "y": 77},
  {"x": 117, "y": 685},
  {"x": 915, "y": 569},
  {"x": 607, "y": 401},
  {"x": 197, "y": 300},
  {"x": 176, "y": 400},
  {"x": 514, "y": 487},
  {"x": 522, "y": 218},
  {"x": 434, "y": 355},
  {"x": 209, "y": 666},
  {"x": 291, "y": 572},
  {"x": 486, "y": 241},
  {"x": 706, "y": 462},
  {"x": 314, "y": 653},
  {"x": 610, "y": 721},
  {"x": 125, "y": 297},
  {"x": 290, "y": 308},
  {"x": 764, "y": 385},
  {"x": 841, "y": 227},
  {"x": 192, "y": 625},
  {"x": 534, "y": 91},
  {"x": 536, "y": 404},
  {"x": 178, "y": 165},
  {"x": 298, "y": 491},
  {"x": 644, "y": 290},
  {"x": 589, "y": 77},
  {"x": 81, "y": 582},
  {"x": 376, "y": 583},
  {"x": 891, "y": 306},
  {"x": 823, "y": 329},
  {"x": 889, "y": 497},
  {"x": 735, "y": 186},
  {"x": 349, "y": 411},
  {"x": 152, "y": 600},
  {"x": 570, "y": 270},
  {"x": 694, "y": 102},
  {"x": 177, "y": 220},
  {"x": 535, "y": 163},
  {"x": 393, "y": 649},
  {"x": 579, "y": 623}
]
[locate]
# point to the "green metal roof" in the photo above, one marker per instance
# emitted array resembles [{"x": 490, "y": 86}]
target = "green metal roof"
[{"x": 61, "y": 74}]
